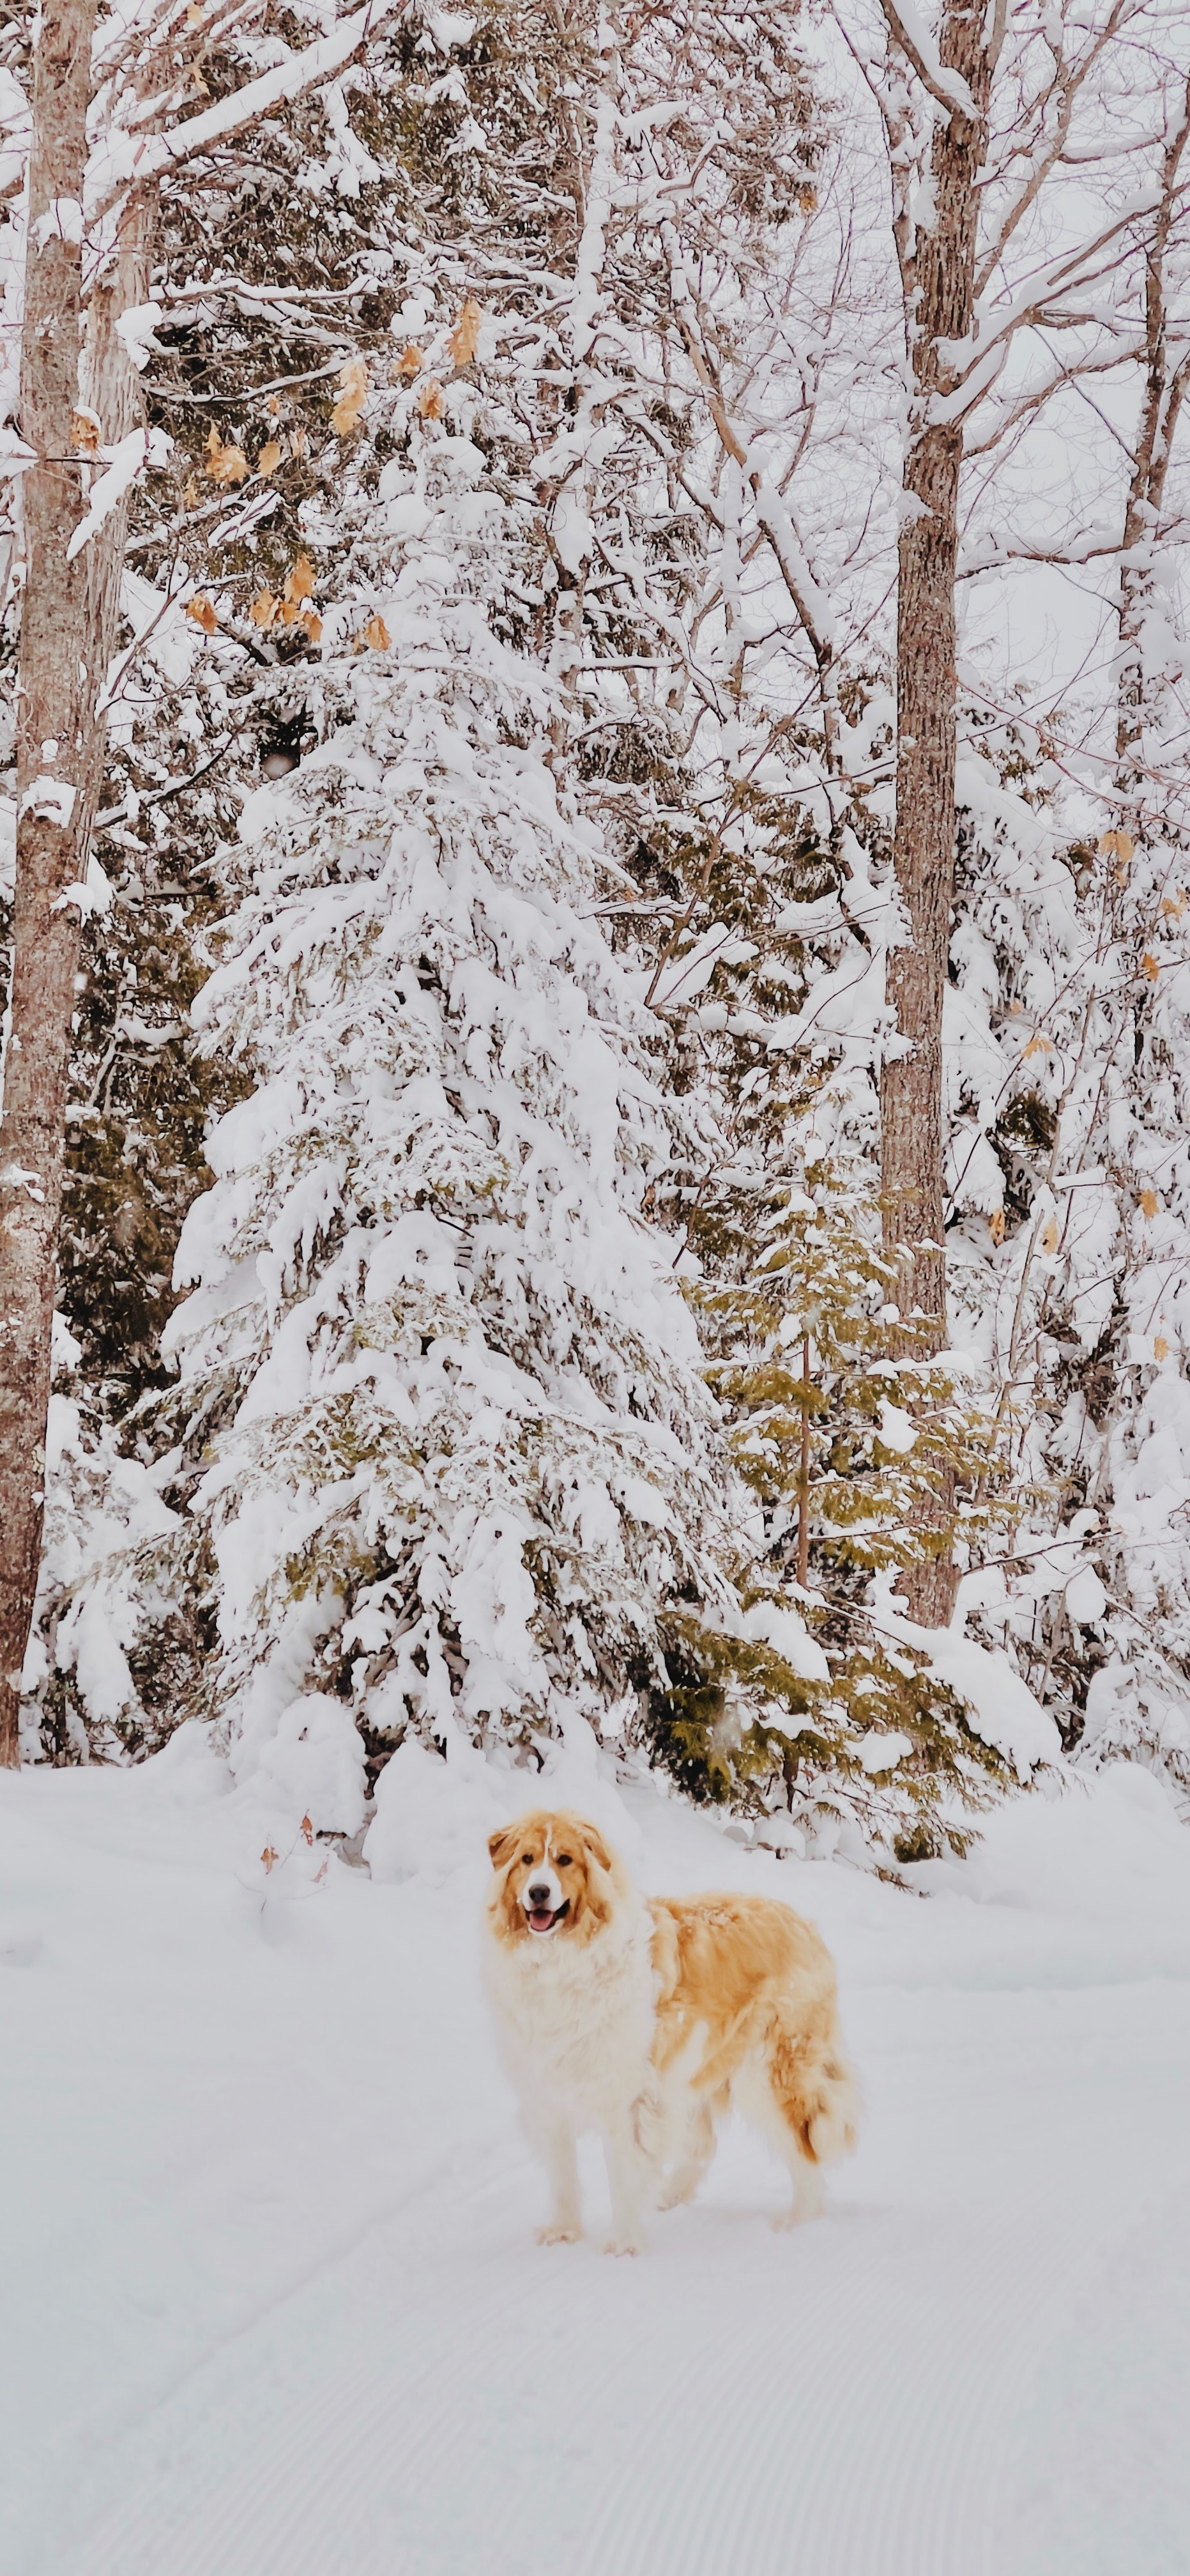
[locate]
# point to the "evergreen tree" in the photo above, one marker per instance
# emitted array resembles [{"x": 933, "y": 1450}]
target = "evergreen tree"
[
  {"x": 860, "y": 1455},
  {"x": 439, "y": 1423}
]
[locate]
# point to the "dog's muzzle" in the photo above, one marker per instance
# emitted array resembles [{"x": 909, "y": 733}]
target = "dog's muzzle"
[{"x": 544, "y": 1904}]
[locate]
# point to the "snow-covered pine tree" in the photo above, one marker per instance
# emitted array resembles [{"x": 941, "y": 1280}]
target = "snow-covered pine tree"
[{"x": 438, "y": 1388}]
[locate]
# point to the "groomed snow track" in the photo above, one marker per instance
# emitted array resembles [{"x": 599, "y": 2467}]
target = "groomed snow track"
[{"x": 283, "y": 2312}]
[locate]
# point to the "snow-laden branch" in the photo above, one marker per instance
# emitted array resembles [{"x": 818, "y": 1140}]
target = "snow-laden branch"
[
  {"x": 123, "y": 159},
  {"x": 813, "y": 608},
  {"x": 947, "y": 89}
]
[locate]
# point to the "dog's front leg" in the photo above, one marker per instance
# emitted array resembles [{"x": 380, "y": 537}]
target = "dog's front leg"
[
  {"x": 555, "y": 2142},
  {"x": 630, "y": 2178}
]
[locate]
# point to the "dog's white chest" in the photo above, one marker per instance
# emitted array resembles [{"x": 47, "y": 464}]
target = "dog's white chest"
[{"x": 577, "y": 2026}]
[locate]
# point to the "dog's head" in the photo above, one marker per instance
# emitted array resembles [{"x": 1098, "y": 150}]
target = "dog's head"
[{"x": 555, "y": 1878}]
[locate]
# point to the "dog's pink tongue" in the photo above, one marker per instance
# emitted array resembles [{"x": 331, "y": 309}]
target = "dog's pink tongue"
[{"x": 541, "y": 1918}]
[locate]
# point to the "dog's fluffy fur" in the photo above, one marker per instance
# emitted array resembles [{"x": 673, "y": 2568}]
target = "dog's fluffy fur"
[{"x": 649, "y": 2021}]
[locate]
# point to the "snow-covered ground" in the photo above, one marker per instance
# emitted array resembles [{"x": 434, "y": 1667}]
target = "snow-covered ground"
[{"x": 271, "y": 2301}]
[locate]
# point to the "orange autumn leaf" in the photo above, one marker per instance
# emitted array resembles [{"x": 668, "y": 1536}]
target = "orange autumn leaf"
[
  {"x": 1038, "y": 1045},
  {"x": 1149, "y": 1202},
  {"x": 224, "y": 464},
  {"x": 411, "y": 361},
  {"x": 273, "y": 405},
  {"x": 191, "y": 495},
  {"x": 288, "y": 612},
  {"x": 299, "y": 444},
  {"x": 997, "y": 1225},
  {"x": 268, "y": 1856},
  {"x": 1160, "y": 1347},
  {"x": 464, "y": 338},
  {"x": 85, "y": 432},
  {"x": 1149, "y": 967},
  {"x": 1116, "y": 845},
  {"x": 306, "y": 1830},
  {"x": 269, "y": 457},
  {"x": 310, "y": 619},
  {"x": 201, "y": 609},
  {"x": 377, "y": 635},
  {"x": 353, "y": 380},
  {"x": 1173, "y": 906},
  {"x": 264, "y": 609},
  {"x": 429, "y": 400},
  {"x": 299, "y": 583},
  {"x": 1049, "y": 1239}
]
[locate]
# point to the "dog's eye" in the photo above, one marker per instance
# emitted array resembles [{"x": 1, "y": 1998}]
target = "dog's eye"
[
  {"x": 564, "y": 1860},
  {"x": 527, "y": 1858}
]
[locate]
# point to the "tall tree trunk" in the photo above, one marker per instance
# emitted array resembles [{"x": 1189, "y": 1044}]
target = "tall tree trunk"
[
  {"x": 1166, "y": 373},
  {"x": 68, "y": 629},
  {"x": 941, "y": 309}
]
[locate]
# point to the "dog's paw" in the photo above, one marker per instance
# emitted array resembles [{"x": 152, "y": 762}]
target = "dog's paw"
[
  {"x": 625, "y": 2245},
  {"x": 799, "y": 2216},
  {"x": 559, "y": 2235}
]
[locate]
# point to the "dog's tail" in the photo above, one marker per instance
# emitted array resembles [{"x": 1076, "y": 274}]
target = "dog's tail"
[{"x": 815, "y": 2087}]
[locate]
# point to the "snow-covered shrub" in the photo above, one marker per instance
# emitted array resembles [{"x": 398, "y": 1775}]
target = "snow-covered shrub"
[{"x": 82, "y": 1674}]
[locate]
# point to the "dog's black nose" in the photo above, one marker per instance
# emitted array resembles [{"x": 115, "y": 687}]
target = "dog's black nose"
[{"x": 539, "y": 1896}]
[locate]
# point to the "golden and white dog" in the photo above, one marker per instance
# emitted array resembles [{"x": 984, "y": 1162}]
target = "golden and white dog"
[{"x": 648, "y": 2021}]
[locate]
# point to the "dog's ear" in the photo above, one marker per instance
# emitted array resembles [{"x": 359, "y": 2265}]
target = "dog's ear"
[
  {"x": 596, "y": 1846},
  {"x": 501, "y": 1845}
]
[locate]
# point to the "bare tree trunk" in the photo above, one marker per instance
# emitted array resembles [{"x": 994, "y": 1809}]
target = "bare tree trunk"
[
  {"x": 1166, "y": 374},
  {"x": 68, "y": 629},
  {"x": 803, "y": 1482},
  {"x": 940, "y": 299}
]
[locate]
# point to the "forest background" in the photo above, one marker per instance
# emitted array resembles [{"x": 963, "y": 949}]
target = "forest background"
[{"x": 597, "y": 715}]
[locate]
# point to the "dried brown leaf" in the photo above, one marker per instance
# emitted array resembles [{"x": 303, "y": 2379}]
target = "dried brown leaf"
[
  {"x": 299, "y": 582},
  {"x": 353, "y": 380},
  {"x": 464, "y": 339},
  {"x": 224, "y": 464}
]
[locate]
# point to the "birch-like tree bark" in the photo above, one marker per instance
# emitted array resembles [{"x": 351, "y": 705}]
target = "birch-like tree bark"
[{"x": 59, "y": 749}]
